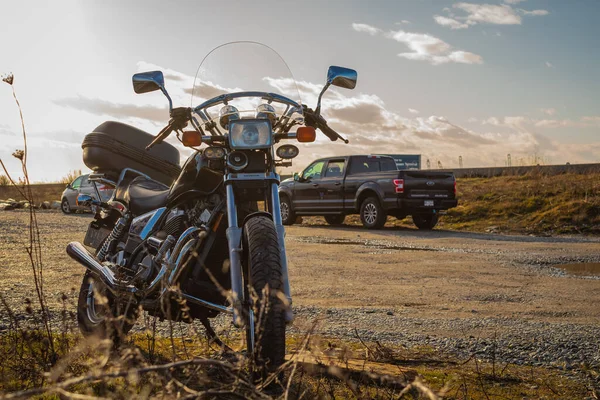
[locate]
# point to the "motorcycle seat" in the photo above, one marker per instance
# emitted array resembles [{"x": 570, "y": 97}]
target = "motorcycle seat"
[{"x": 145, "y": 195}]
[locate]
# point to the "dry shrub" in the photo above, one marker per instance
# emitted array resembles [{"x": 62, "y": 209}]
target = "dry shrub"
[{"x": 70, "y": 176}]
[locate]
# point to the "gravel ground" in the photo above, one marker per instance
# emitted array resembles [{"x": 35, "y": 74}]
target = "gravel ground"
[{"x": 496, "y": 297}]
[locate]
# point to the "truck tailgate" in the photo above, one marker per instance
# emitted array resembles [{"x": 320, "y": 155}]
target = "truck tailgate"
[{"x": 428, "y": 184}]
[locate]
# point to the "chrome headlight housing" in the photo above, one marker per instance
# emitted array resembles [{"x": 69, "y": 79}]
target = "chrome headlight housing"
[{"x": 250, "y": 134}]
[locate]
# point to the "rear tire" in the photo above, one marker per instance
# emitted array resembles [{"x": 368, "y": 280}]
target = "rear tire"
[
  {"x": 288, "y": 217},
  {"x": 425, "y": 221},
  {"x": 372, "y": 215},
  {"x": 265, "y": 284},
  {"x": 100, "y": 314},
  {"x": 335, "y": 219}
]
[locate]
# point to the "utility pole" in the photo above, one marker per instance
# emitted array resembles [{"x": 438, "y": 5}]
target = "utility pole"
[
  {"x": 460, "y": 164},
  {"x": 428, "y": 164}
]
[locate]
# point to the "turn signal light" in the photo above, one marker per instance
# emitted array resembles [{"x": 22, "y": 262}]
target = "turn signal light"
[
  {"x": 306, "y": 134},
  {"x": 191, "y": 139}
]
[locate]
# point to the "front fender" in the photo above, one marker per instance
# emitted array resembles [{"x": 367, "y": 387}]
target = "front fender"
[{"x": 256, "y": 214}]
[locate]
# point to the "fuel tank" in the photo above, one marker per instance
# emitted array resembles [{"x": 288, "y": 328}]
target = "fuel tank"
[{"x": 196, "y": 178}]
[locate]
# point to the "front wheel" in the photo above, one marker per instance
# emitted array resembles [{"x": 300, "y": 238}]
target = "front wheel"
[
  {"x": 65, "y": 206},
  {"x": 265, "y": 288},
  {"x": 425, "y": 221}
]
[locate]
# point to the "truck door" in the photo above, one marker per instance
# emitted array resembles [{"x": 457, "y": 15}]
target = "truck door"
[
  {"x": 306, "y": 189},
  {"x": 331, "y": 186}
]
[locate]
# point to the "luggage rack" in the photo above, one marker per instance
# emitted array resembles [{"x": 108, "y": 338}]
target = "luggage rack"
[{"x": 101, "y": 177}]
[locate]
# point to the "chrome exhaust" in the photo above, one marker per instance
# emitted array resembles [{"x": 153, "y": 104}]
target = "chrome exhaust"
[{"x": 76, "y": 251}]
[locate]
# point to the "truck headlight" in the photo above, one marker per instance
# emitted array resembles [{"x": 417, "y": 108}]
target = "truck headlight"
[{"x": 250, "y": 134}]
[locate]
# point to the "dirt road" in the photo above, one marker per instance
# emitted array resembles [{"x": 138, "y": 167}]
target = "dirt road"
[{"x": 455, "y": 291}]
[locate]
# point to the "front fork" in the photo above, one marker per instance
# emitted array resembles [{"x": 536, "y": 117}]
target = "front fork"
[{"x": 234, "y": 238}]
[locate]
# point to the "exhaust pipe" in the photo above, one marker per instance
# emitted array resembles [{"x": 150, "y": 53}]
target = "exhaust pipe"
[{"x": 76, "y": 251}]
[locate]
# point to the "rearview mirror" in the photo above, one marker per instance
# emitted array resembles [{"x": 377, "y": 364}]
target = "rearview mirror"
[
  {"x": 342, "y": 77},
  {"x": 296, "y": 177},
  {"x": 337, "y": 76},
  {"x": 145, "y": 82}
]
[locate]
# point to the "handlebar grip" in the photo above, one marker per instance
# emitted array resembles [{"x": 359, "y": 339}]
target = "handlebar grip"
[
  {"x": 162, "y": 135},
  {"x": 330, "y": 133}
]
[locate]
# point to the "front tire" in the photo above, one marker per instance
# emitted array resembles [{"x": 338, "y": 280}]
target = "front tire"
[
  {"x": 372, "y": 215},
  {"x": 265, "y": 285},
  {"x": 425, "y": 221},
  {"x": 288, "y": 217},
  {"x": 65, "y": 207},
  {"x": 335, "y": 219}
]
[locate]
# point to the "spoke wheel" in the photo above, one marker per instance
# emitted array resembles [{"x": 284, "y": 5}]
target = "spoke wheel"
[
  {"x": 65, "y": 207},
  {"x": 288, "y": 216},
  {"x": 372, "y": 215}
]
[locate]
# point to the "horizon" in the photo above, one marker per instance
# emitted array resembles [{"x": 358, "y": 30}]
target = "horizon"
[{"x": 444, "y": 79}]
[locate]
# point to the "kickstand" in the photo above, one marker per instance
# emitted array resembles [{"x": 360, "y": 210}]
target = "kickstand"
[{"x": 212, "y": 335}]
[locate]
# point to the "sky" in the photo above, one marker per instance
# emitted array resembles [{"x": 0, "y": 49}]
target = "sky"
[{"x": 441, "y": 78}]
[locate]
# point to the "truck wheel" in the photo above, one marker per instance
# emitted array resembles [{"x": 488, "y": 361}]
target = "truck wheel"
[
  {"x": 288, "y": 217},
  {"x": 425, "y": 221},
  {"x": 265, "y": 286},
  {"x": 335, "y": 219},
  {"x": 372, "y": 215}
]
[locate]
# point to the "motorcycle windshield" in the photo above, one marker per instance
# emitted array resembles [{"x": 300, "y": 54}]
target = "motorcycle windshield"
[{"x": 245, "y": 67}]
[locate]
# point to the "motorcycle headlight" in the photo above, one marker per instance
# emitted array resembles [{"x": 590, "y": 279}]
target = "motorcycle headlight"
[{"x": 250, "y": 134}]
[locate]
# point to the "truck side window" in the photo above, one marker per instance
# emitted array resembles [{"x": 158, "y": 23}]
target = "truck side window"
[
  {"x": 314, "y": 170},
  {"x": 388, "y": 164},
  {"x": 363, "y": 165},
  {"x": 335, "y": 169}
]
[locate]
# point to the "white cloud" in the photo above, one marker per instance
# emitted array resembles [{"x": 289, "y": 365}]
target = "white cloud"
[
  {"x": 534, "y": 13},
  {"x": 513, "y": 1},
  {"x": 502, "y": 14},
  {"x": 488, "y": 13},
  {"x": 449, "y": 22},
  {"x": 413, "y": 111},
  {"x": 431, "y": 49},
  {"x": 404, "y": 21},
  {"x": 371, "y": 30},
  {"x": 548, "y": 111},
  {"x": 549, "y": 65}
]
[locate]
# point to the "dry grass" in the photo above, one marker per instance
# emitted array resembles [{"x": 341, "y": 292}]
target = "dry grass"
[
  {"x": 70, "y": 176},
  {"x": 531, "y": 204}
]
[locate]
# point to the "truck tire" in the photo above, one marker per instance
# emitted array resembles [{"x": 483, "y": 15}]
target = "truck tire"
[
  {"x": 335, "y": 219},
  {"x": 264, "y": 271},
  {"x": 372, "y": 215},
  {"x": 425, "y": 221},
  {"x": 288, "y": 217}
]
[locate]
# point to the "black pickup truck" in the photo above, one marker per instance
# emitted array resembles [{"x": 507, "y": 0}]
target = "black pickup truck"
[{"x": 371, "y": 186}]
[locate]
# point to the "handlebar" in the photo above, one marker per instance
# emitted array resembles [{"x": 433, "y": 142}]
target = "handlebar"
[
  {"x": 315, "y": 120},
  {"x": 179, "y": 120},
  {"x": 180, "y": 117}
]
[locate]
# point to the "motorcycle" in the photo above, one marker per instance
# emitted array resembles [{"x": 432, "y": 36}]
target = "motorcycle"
[{"x": 213, "y": 241}]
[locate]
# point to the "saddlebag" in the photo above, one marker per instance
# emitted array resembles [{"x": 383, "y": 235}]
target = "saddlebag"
[{"x": 113, "y": 146}]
